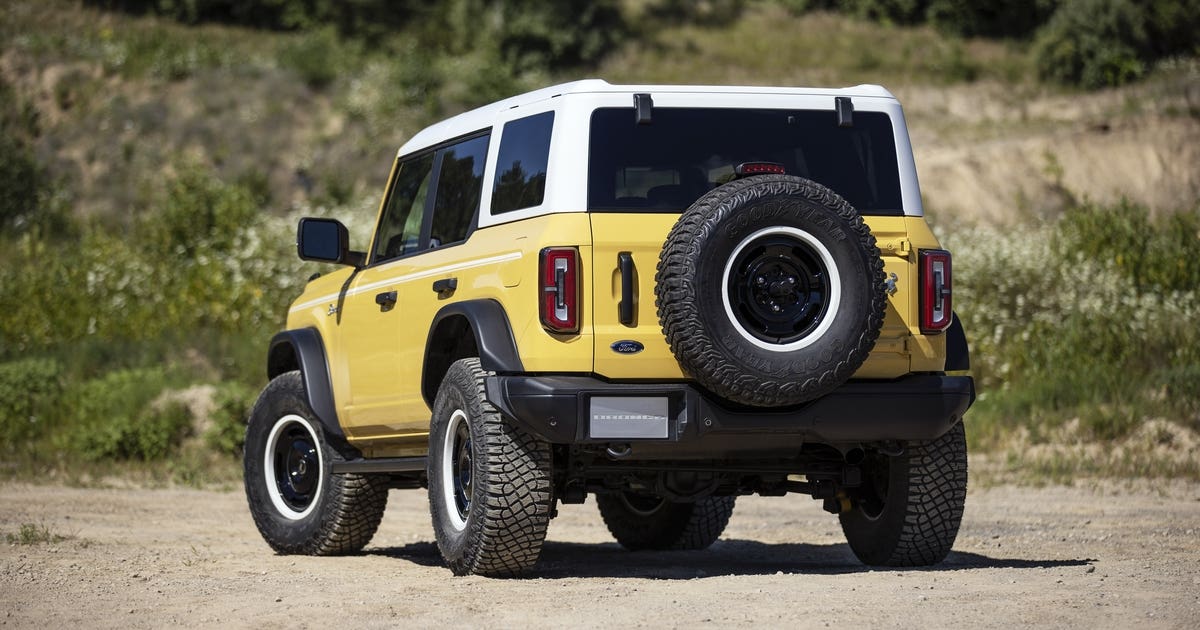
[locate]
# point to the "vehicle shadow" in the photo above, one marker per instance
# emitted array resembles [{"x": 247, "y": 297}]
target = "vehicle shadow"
[{"x": 726, "y": 557}]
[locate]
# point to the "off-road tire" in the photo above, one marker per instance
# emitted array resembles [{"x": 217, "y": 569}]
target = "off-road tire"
[
  {"x": 341, "y": 515},
  {"x": 914, "y": 520},
  {"x": 669, "y": 525},
  {"x": 715, "y": 294},
  {"x": 499, "y": 531}
]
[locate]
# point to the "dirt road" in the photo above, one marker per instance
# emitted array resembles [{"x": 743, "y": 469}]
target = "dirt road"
[{"x": 1060, "y": 557}]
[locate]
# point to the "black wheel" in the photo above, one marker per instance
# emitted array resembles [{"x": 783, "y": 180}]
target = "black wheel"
[
  {"x": 910, "y": 506},
  {"x": 645, "y": 522},
  {"x": 298, "y": 506},
  {"x": 770, "y": 290},
  {"x": 489, "y": 482}
]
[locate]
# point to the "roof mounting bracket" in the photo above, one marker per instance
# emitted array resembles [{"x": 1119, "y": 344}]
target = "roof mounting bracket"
[
  {"x": 644, "y": 105},
  {"x": 845, "y": 111}
]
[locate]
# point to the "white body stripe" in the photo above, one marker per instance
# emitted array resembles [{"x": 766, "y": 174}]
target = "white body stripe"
[{"x": 408, "y": 277}]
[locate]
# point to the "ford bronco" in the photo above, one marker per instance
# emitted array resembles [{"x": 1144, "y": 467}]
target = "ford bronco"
[{"x": 663, "y": 296}]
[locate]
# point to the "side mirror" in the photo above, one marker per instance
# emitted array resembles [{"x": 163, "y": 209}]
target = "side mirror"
[{"x": 325, "y": 240}]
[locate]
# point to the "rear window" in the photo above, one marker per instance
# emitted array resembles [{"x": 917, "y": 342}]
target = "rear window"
[{"x": 666, "y": 165}]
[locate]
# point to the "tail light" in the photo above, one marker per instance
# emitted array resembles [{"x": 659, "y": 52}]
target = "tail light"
[
  {"x": 560, "y": 289},
  {"x": 936, "y": 307}
]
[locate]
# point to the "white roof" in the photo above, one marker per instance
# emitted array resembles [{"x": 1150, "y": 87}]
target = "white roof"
[{"x": 483, "y": 117}]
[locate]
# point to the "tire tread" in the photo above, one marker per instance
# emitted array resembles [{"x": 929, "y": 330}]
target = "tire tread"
[
  {"x": 678, "y": 526},
  {"x": 518, "y": 495}
]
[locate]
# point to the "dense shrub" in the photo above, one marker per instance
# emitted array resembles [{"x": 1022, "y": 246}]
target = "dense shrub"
[
  {"x": 553, "y": 35},
  {"x": 990, "y": 18},
  {"x": 1088, "y": 43},
  {"x": 1093, "y": 43},
  {"x": 1094, "y": 315},
  {"x": 114, "y": 416},
  {"x": 30, "y": 390},
  {"x": 1157, "y": 258},
  {"x": 232, "y": 407},
  {"x": 208, "y": 259},
  {"x": 888, "y": 11},
  {"x": 20, "y": 174},
  {"x": 1100, "y": 43},
  {"x": 314, "y": 56},
  {"x": 151, "y": 435},
  {"x": 547, "y": 34}
]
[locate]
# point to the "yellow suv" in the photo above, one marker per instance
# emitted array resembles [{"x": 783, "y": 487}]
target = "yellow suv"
[{"x": 665, "y": 296}]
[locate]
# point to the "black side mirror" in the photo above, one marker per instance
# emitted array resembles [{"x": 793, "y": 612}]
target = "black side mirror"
[{"x": 325, "y": 240}]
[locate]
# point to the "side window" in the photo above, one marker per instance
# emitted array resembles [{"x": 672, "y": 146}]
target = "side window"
[
  {"x": 521, "y": 165},
  {"x": 460, "y": 183},
  {"x": 400, "y": 229}
]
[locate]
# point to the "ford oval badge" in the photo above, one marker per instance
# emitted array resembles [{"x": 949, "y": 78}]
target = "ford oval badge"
[{"x": 627, "y": 346}]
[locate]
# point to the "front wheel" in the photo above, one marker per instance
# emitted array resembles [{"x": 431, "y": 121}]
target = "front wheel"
[
  {"x": 489, "y": 482},
  {"x": 299, "y": 506},
  {"x": 644, "y": 522},
  {"x": 909, "y": 508}
]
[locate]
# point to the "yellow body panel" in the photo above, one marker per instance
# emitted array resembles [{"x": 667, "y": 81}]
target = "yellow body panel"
[
  {"x": 901, "y": 347},
  {"x": 642, "y": 235},
  {"x": 377, "y": 355}
]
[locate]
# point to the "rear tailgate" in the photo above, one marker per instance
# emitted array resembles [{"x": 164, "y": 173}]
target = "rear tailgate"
[{"x": 641, "y": 236}]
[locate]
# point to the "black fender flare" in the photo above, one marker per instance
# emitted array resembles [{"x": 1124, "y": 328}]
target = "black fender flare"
[
  {"x": 494, "y": 342},
  {"x": 303, "y": 349},
  {"x": 958, "y": 355}
]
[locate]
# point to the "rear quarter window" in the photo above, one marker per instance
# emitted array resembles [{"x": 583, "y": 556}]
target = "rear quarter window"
[{"x": 522, "y": 163}]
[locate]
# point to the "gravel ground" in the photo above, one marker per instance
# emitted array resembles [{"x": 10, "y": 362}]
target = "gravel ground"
[{"x": 1103, "y": 556}]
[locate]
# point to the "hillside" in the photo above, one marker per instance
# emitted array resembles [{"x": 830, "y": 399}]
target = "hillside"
[
  {"x": 153, "y": 170},
  {"x": 119, "y": 101}
]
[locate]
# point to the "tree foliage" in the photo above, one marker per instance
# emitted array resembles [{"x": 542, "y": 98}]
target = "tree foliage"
[{"x": 1087, "y": 43}]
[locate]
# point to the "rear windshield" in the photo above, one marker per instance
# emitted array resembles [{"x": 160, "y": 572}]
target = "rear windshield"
[{"x": 683, "y": 153}]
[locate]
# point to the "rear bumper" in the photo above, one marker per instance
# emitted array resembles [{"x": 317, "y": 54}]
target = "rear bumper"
[{"x": 917, "y": 407}]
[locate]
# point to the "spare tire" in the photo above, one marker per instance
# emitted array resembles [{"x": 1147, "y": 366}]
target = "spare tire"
[{"x": 770, "y": 290}]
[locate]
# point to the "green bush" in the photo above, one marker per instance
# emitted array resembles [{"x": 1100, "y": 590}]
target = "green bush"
[
  {"x": 887, "y": 11},
  {"x": 315, "y": 55},
  {"x": 1092, "y": 316},
  {"x": 1157, "y": 258},
  {"x": 227, "y": 433},
  {"x": 115, "y": 418},
  {"x": 151, "y": 435},
  {"x": 990, "y": 18},
  {"x": 20, "y": 173},
  {"x": 209, "y": 260},
  {"x": 19, "y": 176},
  {"x": 1093, "y": 43},
  {"x": 201, "y": 214},
  {"x": 29, "y": 398}
]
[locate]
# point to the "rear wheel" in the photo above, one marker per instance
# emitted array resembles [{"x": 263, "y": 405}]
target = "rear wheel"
[
  {"x": 646, "y": 522},
  {"x": 297, "y": 504},
  {"x": 910, "y": 506},
  {"x": 489, "y": 482}
]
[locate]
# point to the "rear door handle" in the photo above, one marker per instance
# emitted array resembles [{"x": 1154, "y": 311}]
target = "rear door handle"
[
  {"x": 628, "y": 278},
  {"x": 445, "y": 286},
  {"x": 386, "y": 300}
]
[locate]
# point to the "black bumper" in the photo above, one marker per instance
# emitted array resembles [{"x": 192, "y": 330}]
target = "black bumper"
[{"x": 918, "y": 407}]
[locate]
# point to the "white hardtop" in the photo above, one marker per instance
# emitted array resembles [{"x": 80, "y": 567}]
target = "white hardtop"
[{"x": 483, "y": 117}]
